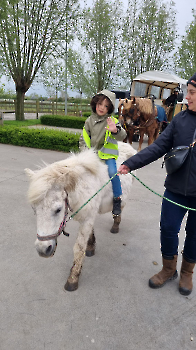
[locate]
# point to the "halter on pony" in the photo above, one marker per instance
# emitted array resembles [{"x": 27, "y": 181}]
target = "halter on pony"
[
  {"x": 126, "y": 117},
  {"x": 61, "y": 227}
]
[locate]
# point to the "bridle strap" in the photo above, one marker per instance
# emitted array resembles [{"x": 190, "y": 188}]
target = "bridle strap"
[
  {"x": 49, "y": 237},
  {"x": 61, "y": 227}
]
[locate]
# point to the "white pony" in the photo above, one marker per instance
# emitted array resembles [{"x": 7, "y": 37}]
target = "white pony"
[{"x": 66, "y": 185}]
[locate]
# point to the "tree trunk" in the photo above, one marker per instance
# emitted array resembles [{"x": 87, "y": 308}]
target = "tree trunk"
[{"x": 19, "y": 104}]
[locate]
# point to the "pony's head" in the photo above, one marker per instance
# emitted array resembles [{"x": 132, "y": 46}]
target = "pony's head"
[
  {"x": 121, "y": 112},
  {"x": 49, "y": 194},
  {"x": 125, "y": 111},
  {"x": 130, "y": 112},
  {"x": 48, "y": 199},
  {"x": 127, "y": 104},
  {"x": 134, "y": 112}
]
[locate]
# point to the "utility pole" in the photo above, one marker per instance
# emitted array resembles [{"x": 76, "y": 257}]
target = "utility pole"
[
  {"x": 66, "y": 74},
  {"x": 66, "y": 39}
]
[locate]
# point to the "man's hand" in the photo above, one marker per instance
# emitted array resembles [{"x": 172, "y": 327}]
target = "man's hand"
[{"x": 123, "y": 169}]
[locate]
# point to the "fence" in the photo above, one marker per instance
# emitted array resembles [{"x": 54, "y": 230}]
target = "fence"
[{"x": 46, "y": 107}]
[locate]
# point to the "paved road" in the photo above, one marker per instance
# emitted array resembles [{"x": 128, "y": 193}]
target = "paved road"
[
  {"x": 113, "y": 309},
  {"x": 11, "y": 116}
]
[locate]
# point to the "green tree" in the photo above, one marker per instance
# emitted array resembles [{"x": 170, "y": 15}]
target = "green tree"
[
  {"x": 4, "y": 5},
  {"x": 148, "y": 35},
  {"x": 79, "y": 75},
  {"x": 29, "y": 31},
  {"x": 185, "y": 57},
  {"x": 100, "y": 37},
  {"x": 53, "y": 76},
  {"x": 70, "y": 15}
]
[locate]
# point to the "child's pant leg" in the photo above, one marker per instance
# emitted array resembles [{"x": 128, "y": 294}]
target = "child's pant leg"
[{"x": 116, "y": 184}]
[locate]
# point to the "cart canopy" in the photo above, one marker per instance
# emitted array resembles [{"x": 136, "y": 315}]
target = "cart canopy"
[{"x": 161, "y": 79}]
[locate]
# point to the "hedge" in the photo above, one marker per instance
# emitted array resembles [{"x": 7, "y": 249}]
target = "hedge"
[
  {"x": 86, "y": 114},
  {"x": 63, "y": 121},
  {"x": 40, "y": 138},
  {"x": 19, "y": 123}
]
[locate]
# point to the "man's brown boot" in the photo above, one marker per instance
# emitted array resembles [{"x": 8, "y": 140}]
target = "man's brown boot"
[
  {"x": 186, "y": 275},
  {"x": 167, "y": 273}
]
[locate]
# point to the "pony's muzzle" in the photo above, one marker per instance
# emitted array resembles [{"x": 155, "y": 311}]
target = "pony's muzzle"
[
  {"x": 129, "y": 121},
  {"x": 46, "y": 249}
]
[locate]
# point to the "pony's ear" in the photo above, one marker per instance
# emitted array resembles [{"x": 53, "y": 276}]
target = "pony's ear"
[
  {"x": 70, "y": 181},
  {"x": 126, "y": 100},
  {"x": 29, "y": 172},
  {"x": 119, "y": 99}
]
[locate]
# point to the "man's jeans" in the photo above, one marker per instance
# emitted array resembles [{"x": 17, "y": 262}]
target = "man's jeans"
[{"x": 171, "y": 219}]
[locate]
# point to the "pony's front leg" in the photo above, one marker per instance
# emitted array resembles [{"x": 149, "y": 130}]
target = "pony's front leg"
[
  {"x": 79, "y": 253},
  {"x": 130, "y": 134},
  {"x": 90, "y": 249},
  {"x": 141, "y": 140},
  {"x": 158, "y": 130},
  {"x": 151, "y": 137}
]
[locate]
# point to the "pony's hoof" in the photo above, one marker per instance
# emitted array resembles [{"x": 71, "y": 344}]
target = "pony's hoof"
[
  {"x": 90, "y": 252},
  {"x": 70, "y": 287},
  {"x": 114, "y": 229}
]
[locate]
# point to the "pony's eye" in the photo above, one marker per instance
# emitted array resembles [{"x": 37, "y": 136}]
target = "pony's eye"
[{"x": 57, "y": 210}]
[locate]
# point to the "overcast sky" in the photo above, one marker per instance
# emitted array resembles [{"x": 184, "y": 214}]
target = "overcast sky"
[
  {"x": 183, "y": 12},
  {"x": 183, "y": 18}
]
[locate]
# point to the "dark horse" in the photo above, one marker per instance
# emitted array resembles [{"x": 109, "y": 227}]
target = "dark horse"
[{"x": 139, "y": 114}]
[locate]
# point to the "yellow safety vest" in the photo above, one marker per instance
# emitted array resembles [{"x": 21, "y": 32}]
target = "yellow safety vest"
[{"x": 110, "y": 146}]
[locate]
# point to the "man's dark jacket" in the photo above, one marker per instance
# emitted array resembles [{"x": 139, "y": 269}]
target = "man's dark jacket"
[
  {"x": 171, "y": 100},
  {"x": 179, "y": 132}
]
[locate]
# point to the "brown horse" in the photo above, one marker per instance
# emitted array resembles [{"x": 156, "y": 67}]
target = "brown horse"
[
  {"x": 139, "y": 114},
  {"x": 126, "y": 122}
]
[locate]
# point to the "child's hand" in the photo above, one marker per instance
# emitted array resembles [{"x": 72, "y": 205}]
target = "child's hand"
[{"x": 111, "y": 125}]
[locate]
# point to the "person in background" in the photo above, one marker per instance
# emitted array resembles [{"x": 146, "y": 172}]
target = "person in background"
[
  {"x": 172, "y": 99},
  {"x": 102, "y": 131},
  {"x": 180, "y": 188}
]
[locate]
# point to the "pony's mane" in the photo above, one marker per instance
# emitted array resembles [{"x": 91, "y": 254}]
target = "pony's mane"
[
  {"x": 121, "y": 101},
  {"x": 144, "y": 105},
  {"x": 126, "y": 103},
  {"x": 67, "y": 171}
]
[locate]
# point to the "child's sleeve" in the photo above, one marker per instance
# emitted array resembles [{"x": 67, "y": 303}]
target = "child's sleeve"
[
  {"x": 121, "y": 133},
  {"x": 82, "y": 143}
]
